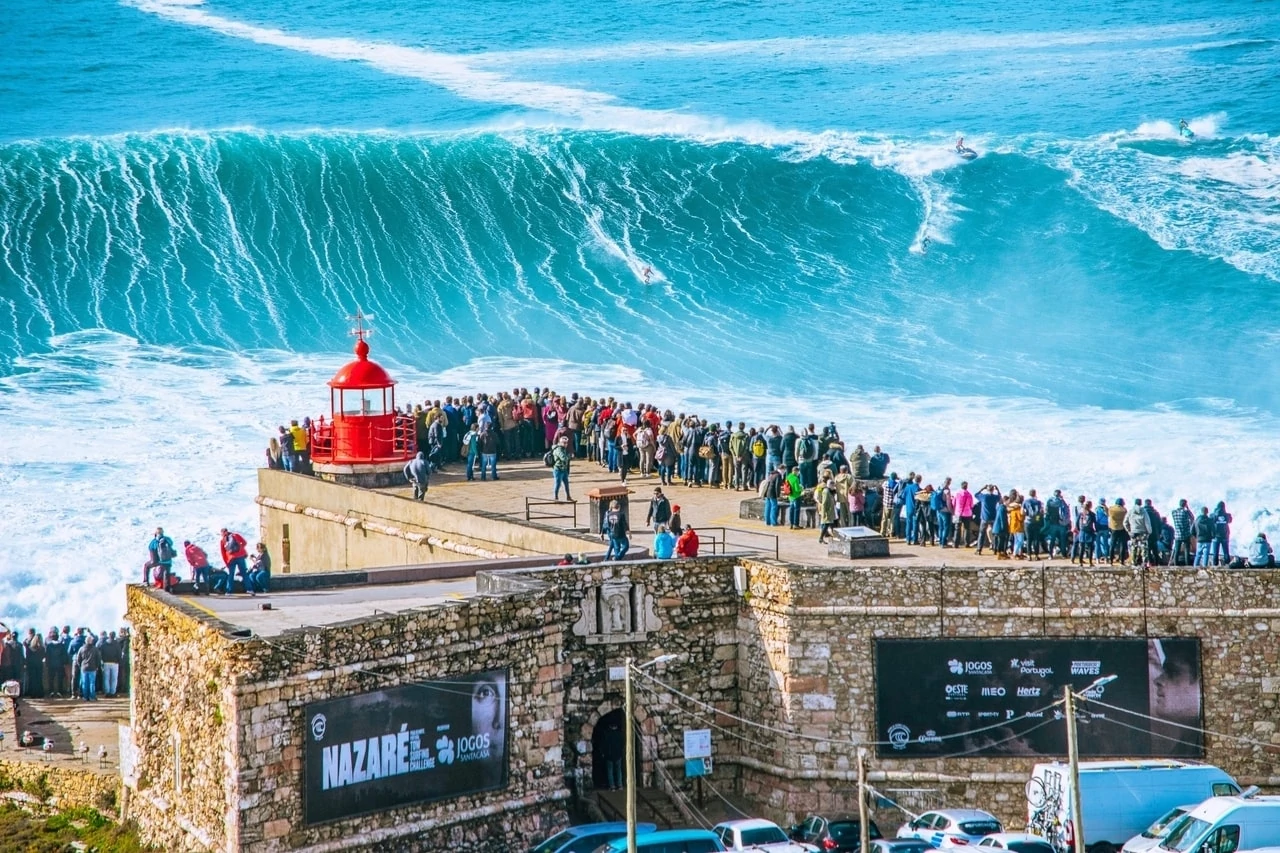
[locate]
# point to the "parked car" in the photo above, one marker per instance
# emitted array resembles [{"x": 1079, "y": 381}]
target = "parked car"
[
  {"x": 668, "y": 841},
  {"x": 900, "y": 845},
  {"x": 589, "y": 836},
  {"x": 951, "y": 828},
  {"x": 758, "y": 834},
  {"x": 1151, "y": 837},
  {"x": 1120, "y": 798},
  {"x": 1017, "y": 842},
  {"x": 839, "y": 832}
]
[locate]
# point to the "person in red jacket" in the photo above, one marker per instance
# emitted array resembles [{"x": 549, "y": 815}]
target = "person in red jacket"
[
  {"x": 234, "y": 554},
  {"x": 687, "y": 544},
  {"x": 199, "y": 562}
]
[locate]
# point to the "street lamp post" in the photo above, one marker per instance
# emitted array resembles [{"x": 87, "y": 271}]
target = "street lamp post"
[
  {"x": 631, "y": 745},
  {"x": 1073, "y": 758}
]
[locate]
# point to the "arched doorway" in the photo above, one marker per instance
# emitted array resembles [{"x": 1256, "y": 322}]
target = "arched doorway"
[{"x": 608, "y": 742}]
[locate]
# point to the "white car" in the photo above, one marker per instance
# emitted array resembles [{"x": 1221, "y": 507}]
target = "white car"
[
  {"x": 948, "y": 829},
  {"x": 1017, "y": 842},
  {"x": 1151, "y": 837},
  {"x": 758, "y": 834}
]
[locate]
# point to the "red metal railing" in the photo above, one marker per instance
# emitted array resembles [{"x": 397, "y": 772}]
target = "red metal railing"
[{"x": 365, "y": 443}]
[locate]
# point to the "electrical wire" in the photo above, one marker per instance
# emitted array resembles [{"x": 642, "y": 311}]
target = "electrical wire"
[
  {"x": 1202, "y": 731},
  {"x": 970, "y": 751},
  {"x": 817, "y": 739}
]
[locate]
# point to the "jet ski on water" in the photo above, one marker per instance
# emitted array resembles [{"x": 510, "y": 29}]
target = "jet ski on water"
[
  {"x": 964, "y": 152},
  {"x": 1185, "y": 131}
]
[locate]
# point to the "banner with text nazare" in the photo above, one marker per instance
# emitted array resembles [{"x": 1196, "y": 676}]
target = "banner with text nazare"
[
  {"x": 979, "y": 696},
  {"x": 410, "y": 744}
]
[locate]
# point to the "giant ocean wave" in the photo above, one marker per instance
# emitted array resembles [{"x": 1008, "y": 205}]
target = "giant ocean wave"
[{"x": 479, "y": 244}]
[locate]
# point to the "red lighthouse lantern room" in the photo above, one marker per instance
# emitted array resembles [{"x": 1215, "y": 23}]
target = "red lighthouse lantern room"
[{"x": 364, "y": 433}]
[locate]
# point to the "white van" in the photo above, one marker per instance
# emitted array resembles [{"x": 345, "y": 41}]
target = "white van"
[
  {"x": 1160, "y": 827},
  {"x": 1120, "y": 798},
  {"x": 1226, "y": 825}
]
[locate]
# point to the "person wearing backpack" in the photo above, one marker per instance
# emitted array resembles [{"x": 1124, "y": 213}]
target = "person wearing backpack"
[
  {"x": 793, "y": 491},
  {"x": 1136, "y": 523},
  {"x": 161, "y": 553},
  {"x": 1204, "y": 536},
  {"x": 758, "y": 468},
  {"x": 807, "y": 458},
  {"x": 1086, "y": 527},
  {"x": 235, "y": 557},
  {"x": 771, "y": 492}
]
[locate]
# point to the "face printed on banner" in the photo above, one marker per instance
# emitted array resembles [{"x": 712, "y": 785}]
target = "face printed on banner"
[
  {"x": 487, "y": 710},
  {"x": 1174, "y": 682}
]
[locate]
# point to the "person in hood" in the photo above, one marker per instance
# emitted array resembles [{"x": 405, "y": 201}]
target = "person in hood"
[
  {"x": 664, "y": 543},
  {"x": 160, "y": 553},
  {"x": 1260, "y": 554},
  {"x": 418, "y": 472},
  {"x": 687, "y": 544}
]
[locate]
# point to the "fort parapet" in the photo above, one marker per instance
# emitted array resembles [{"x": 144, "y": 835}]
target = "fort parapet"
[{"x": 221, "y": 731}]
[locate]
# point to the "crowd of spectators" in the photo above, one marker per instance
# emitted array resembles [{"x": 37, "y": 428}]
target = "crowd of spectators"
[{"x": 66, "y": 664}]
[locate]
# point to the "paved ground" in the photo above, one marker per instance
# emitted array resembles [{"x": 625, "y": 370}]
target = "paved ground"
[
  {"x": 327, "y": 606},
  {"x": 67, "y": 723},
  {"x": 703, "y": 508},
  {"x": 714, "y": 512}
]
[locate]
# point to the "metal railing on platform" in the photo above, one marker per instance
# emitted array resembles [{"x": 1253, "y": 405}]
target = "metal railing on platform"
[
  {"x": 534, "y": 510},
  {"x": 738, "y": 540}
]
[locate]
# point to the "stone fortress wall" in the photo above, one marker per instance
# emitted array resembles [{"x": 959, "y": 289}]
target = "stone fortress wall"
[
  {"x": 219, "y": 722},
  {"x": 312, "y": 525}
]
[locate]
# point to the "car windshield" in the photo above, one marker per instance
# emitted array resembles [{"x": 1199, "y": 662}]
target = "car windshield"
[
  {"x": 553, "y": 843},
  {"x": 763, "y": 835},
  {"x": 847, "y": 830},
  {"x": 1164, "y": 824},
  {"x": 980, "y": 827},
  {"x": 1030, "y": 847},
  {"x": 1185, "y": 835}
]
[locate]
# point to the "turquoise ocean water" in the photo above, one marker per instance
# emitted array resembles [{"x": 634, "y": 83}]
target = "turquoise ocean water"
[{"x": 195, "y": 196}]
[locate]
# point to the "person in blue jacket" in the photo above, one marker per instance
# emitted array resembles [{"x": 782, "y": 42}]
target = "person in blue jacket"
[{"x": 664, "y": 544}]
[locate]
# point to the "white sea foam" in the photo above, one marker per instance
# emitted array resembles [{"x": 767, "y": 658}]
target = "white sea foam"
[
  {"x": 865, "y": 47},
  {"x": 1222, "y": 204},
  {"x": 1204, "y": 127},
  {"x": 110, "y": 438}
]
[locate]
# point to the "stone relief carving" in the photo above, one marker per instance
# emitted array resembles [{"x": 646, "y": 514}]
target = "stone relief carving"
[{"x": 617, "y": 611}]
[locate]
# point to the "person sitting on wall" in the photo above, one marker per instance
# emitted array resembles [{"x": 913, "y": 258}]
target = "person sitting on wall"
[
  {"x": 260, "y": 571},
  {"x": 1261, "y": 556},
  {"x": 567, "y": 560}
]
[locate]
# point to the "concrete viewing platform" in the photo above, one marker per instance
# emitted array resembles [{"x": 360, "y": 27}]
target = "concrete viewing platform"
[
  {"x": 704, "y": 508},
  {"x": 329, "y": 606}
]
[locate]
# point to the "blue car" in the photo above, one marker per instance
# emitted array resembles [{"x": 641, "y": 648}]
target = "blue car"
[
  {"x": 589, "y": 836},
  {"x": 668, "y": 841}
]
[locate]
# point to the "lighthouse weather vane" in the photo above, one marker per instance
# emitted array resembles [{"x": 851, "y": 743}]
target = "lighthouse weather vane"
[{"x": 361, "y": 331}]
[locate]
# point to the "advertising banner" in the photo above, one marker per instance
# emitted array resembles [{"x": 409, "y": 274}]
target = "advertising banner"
[
  {"x": 981, "y": 697},
  {"x": 407, "y": 744}
]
